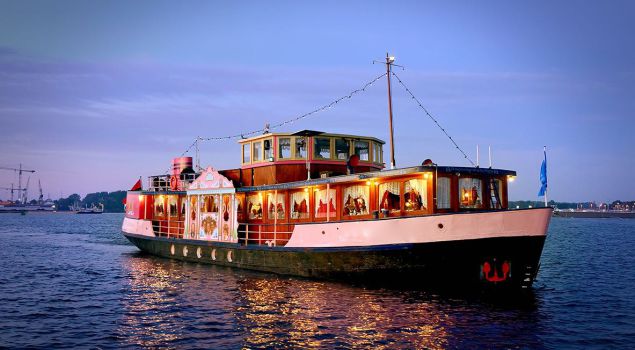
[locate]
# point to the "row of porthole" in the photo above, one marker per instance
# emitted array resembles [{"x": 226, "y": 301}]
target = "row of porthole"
[{"x": 199, "y": 253}]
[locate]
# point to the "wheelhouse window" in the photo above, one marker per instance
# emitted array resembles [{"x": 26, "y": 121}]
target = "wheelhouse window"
[
  {"x": 362, "y": 149},
  {"x": 322, "y": 199},
  {"x": 247, "y": 153},
  {"x": 172, "y": 205},
  {"x": 496, "y": 190},
  {"x": 257, "y": 151},
  {"x": 415, "y": 195},
  {"x": 443, "y": 192},
  {"x": 276, "y": 205},
  {"x": 300, "y": 205},
  {"x": 254, "y": 206},
  {"x": 390, "y": 196},
  {"x": 159, "y": 208},
  {"x": 300, "y": 147},
  {"x": 321, "y": 148},
  {"x": 284, "y": 148},
  {"x": 342, "y": 149},
  {"x": 355, "y": 200},
  {"x": 470, "y": 192},
  {"x": 268, "y": 149},
  {"x": 376, "y": 152}
]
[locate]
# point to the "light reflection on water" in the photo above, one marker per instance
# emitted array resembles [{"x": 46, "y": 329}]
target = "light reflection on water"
[{"x": 191, "y": 305}]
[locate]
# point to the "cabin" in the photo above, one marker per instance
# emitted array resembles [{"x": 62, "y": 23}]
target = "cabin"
[{"x": 288, "y": 179}]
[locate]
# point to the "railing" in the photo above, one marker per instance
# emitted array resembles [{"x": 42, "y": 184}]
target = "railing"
[
  {"x": 162, "y": 183},
  {"x": 248, "y": 234},
  {"x": 168, "y": 228},
  {"x": 265, "y": 234}
]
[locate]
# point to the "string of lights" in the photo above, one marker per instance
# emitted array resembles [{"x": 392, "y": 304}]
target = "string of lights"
[
  {"x": 289, "y": 121},
  {"x": 433, "y": 119}
]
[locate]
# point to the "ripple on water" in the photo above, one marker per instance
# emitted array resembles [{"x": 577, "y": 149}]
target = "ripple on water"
[{"x": 74, "y": 281}]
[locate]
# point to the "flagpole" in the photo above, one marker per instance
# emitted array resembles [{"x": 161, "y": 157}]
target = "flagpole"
[{"x": 547, "y": 188}]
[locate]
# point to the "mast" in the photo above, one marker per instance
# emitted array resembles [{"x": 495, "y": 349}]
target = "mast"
[{"x": 389, "y": 62}]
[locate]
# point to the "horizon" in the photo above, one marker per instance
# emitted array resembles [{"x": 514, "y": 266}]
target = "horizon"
[{"x": 95, "y": 95}]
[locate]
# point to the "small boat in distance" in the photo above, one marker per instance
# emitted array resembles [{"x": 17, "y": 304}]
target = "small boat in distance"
[
  {"x": 321, "y": 205},
  {"x": 93, "y": 209}
]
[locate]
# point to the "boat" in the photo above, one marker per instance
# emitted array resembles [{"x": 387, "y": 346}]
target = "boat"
[
  {"x": 93, "y": 209},
  {"x": 322, "y": 205}
]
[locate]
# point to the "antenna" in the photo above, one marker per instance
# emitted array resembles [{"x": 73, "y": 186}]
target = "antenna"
[
  {"x": 489, "y": 150},
  {"x": 477, "y": 164}
]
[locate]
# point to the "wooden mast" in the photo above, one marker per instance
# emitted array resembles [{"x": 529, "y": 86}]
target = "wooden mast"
[{"x": 389, "y": 61}]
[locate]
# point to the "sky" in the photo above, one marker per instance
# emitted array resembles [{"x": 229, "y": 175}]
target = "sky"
[{"x": 94, "y": 94}]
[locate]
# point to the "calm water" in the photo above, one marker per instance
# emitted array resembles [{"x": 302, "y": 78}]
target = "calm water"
[{"x": 73, "y": 281}]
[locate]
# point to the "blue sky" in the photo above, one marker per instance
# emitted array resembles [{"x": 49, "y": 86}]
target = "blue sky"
[{"x": 94, "y": 94}]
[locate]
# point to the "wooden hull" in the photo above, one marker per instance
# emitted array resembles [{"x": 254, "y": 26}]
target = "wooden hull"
[{"x": 501, "y": 262}]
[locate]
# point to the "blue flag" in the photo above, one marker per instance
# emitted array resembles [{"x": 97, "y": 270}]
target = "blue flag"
[{"x": 543, "y": 176}]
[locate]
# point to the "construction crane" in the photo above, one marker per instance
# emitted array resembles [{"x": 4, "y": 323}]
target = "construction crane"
[{"x": 21, "y": 191}]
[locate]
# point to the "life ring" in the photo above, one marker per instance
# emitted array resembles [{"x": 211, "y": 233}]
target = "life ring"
[{"x": 174, "y": 184}]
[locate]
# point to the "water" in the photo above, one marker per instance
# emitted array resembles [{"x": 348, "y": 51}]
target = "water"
[{"x": 72, "y": 281}]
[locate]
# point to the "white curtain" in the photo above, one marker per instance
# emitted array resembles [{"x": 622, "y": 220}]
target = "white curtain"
[
  {"x": 416, "y": 194},
  {"x": 254, "y": 207},
  {"x": 276, "y": 205},
  {"x": 299, "y": 205},
  {"x": 470, "y": 192},
  {"x": 443, "y": 193},
  {"x": 321, "y": 203},
  {"x": 355, "y": 200},
  {"x": 389, "y": 196}
]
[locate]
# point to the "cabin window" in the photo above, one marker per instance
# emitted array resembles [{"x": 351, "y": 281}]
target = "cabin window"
[
  {"x": 362, "y": 149},
  {"x": 209, "y": 204},
  {"x": 257, "y": 151},
  {"x": 322, "y": 148},
  {"x": 342, "y": 149},
  {"x": 496, "y": 191},
  {"x": 284, "y": 148},
  {"x": 247, "y": 153},
  {"x": 321, "y": 201},
  {"x": 376, "y": 152},
  {"x": 470, "y": 192},
  {"x": 159, "y": 209},
  {"x": 355, "y": 200},
  {"x": 172, "y": 205},
  {"x": 239, "y": 207},
  {"x": 415, "y": 195},
  {"x": 183, "y": 202},
  {"x": 443, "y": 193},
  {"x": 276, "y": 206},
  {"x": 390, "y": 196},
  {"x": 254, "y": 206},
  {"x": 300, "y": 205},
  {"x": 300, "y": 147},
  {"x": 268, "y": 147}
]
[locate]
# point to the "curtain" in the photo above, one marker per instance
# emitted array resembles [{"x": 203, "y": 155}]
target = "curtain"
[
  {"x": 254, "y": 206},
  {"x": 470, "y": 192},
  {"x": 389, "y": 196},
  {"x": 284, "y": 148},
  {"x": 276, "y": 205},
  {"x": 443, "y": 193},
  {"x": 172, "y": 205},
  {"x": 415, "y": 195},
  {"x": 321, "y": 202},
  {"x": 299, "y": 205},
  {"x": 362, "y": 148},
  {"x": 355, "y": 200}
]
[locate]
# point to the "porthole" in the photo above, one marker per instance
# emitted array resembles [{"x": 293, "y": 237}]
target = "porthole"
[
  {"x": 172, "y": 249},
  {"x": 185, "y": 250},
  {"x": 199, "y": 252},
  {"x": 213, "y": 254},
  {"x": 229, "y": 255}
]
